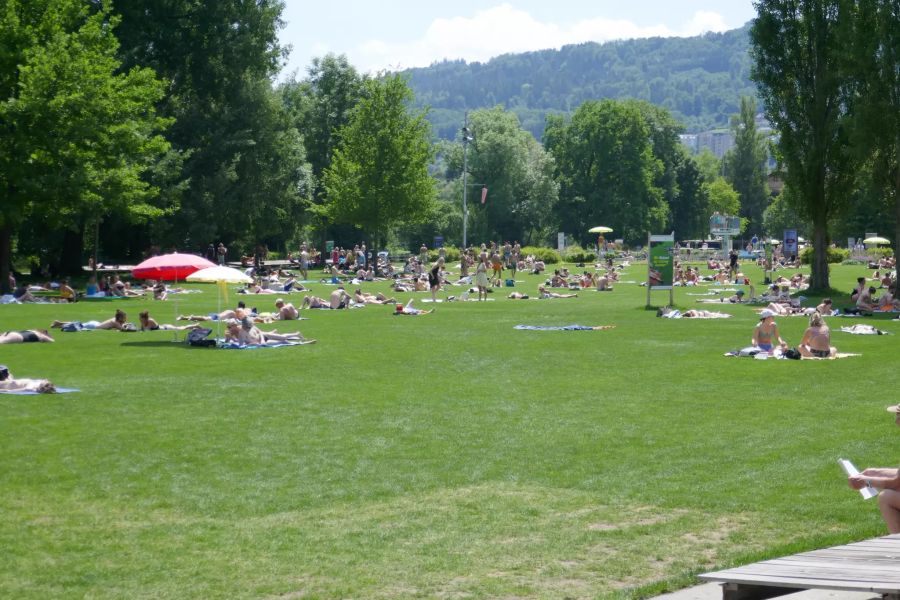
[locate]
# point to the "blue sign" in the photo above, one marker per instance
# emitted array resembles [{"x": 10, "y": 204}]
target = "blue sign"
[{"x": 438, "y": 241}]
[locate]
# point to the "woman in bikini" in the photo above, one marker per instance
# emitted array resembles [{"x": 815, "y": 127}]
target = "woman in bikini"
[
  {"x": 148, "y": 323},
  {"x": 24, "y": 337},
  {"x": 816, "y": 342},
  {"x": 766, "y": 331},
  {"x": 115, "y": 323}
]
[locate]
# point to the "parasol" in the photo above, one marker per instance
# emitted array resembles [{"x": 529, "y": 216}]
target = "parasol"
[{"x": 170, "y": 267}]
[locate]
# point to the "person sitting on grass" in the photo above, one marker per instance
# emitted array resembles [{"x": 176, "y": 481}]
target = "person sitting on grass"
[
  {"x": 544, "y": 294},
  {"x": 816, "y": 342},
  {"x": 159, "y": 291},
  {"x": 865, "y": 303},
  {"x": 603, "y": 283},
  {"x": 826, "y": 308},
  {"x": 117, "y": 322},
  {"x": 339, "y": 299},
  {"x": 148, "y": 323},
  {"x": 888, "y": 481},
  {"x": 286, "y": 311},
  {"x": 766, "y": 332},
  {"x": 25, "y": 336},
  {"x": 8, "y": 383},
  {"x": 887, "y": 301},
  {"x": 66, "y": 293}
]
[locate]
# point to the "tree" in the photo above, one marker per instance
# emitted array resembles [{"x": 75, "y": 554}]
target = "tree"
[
  {"x": 378, "y": 176},
  {"x": 76, "y": 133},
  {"x": 689, "y": 209},
  {"x": 607, "y": 170},
  {"x": 321, "y": 105},
  {"x": 518, "y": 173},
  {"x": 876, "y": 55},
  {"x": 220, "y": 58},
  {"x": 745, "y": 165},
  {"x": 798, "y": 49},
  {"x": 722, "y": 197}
]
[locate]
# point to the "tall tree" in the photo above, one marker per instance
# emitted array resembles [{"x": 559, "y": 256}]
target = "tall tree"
[
  {"x": 607, "y": 170},
  {"x": 378, "y": 176},
  {"x": 320, "y": 105},
  {"x": 218, "y": 57},
  {"x": 745, "y": 165},
  {"x": 518, "y": 173},
  {"x": 876, "y": 45},
  {"x": 689, "y": 209},
  {"x": 799, "y": 49},
  {"x": 76, "y": 133}
]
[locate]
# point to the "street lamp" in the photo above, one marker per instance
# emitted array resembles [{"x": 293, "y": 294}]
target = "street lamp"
[{"x": 467, "y": 136}]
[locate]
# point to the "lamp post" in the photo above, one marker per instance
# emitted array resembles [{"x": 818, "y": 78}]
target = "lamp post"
[{"x": 466, "y": 138}]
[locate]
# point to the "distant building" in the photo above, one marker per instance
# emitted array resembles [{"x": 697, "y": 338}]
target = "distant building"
[{"x": 719, "y": 141}]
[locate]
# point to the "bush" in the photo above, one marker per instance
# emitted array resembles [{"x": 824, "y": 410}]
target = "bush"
[
  {"x": 577, "y": 254},
  {"x": 451, "y": 254},
  {"x": 835, "y": 255},
  {"x": 879, "y": 253},
  {"x": 548, "y": 255}
]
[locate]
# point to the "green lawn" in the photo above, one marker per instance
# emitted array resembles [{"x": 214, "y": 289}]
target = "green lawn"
[{"x": 444, "y": 456}]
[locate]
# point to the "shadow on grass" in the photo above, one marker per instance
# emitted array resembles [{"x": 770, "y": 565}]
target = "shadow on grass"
[{"x": 162, "y": 344}]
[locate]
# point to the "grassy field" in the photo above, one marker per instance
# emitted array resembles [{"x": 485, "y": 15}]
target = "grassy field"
[{"x": 444, "y": 456}]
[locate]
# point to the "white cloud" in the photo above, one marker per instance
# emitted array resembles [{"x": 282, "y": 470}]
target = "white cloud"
[{"x": 505, "y": 29}]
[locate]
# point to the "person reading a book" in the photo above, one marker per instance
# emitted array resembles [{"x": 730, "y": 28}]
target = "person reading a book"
[{"x": 887, "y": 480}]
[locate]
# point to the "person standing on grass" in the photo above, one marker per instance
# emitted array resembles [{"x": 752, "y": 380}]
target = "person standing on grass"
[
  {"x": 888, "y": 481},
  {"x": 434, "y": 278},
  {"x": 221, "y": 251},
  {"x": 481, "y": 278}
]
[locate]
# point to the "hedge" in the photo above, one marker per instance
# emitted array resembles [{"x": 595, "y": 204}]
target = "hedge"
[{"x": 834, "y": 255}]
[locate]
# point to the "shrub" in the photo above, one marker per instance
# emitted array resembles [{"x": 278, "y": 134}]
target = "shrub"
[
  {"x": 548, "y": 255},
  {"x": 577, "y": 254},
  {"x": 451, "y": 254},
  {"x": 834, "y": 255},
  {"x": 879, "y": 253}
]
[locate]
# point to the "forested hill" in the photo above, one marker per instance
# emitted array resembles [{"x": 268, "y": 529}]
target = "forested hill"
[{"x": 700, "y": 80}]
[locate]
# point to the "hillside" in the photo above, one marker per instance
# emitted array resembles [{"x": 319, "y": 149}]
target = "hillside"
[{"x": 699, "y": 79}]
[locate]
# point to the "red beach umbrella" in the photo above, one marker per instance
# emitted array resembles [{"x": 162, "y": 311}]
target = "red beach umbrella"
[{"x": 170, "y": 267}]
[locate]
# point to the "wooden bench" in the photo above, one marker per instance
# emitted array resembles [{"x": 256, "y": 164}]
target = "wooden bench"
[{"x": 868, "y": 566}]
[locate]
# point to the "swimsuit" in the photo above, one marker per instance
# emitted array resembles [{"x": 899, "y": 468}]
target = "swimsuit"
[
  {"x": 29, "y": 336},
  {"x": 820, "y": 353}
]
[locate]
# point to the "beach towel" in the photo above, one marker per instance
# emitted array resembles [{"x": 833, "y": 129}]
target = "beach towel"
[
  {"x": 563, "y": 327},
  {"x": 35, "y": 393},
  {"x": 860, "y": 329},
  {"x": 236, "y": 346}
]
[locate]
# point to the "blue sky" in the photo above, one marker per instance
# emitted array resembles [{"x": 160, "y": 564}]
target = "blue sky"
[{"x": 392, "y": 34}]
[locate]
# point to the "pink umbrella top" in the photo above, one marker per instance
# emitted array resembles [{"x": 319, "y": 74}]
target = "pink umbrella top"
[{"x": 169, "y": 267}]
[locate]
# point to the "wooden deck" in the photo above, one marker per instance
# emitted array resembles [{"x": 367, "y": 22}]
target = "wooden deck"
[{"x": 869, "y": 566}]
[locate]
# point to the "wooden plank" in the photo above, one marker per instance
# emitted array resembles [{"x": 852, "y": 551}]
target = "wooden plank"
[{"x": 810, "y": 583}]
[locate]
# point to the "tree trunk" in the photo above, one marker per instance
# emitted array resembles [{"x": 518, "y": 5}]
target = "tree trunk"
[
  {"x": 70, "y": 262},
  {"x": 5, "y": 257},
  {"x": 820, "y": 280}
]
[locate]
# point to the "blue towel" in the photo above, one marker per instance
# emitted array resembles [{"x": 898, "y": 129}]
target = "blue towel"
[{"x": 554, "y": 328}]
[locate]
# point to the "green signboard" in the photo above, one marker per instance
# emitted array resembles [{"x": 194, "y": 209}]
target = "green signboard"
[{"x": 661, "y": 262}]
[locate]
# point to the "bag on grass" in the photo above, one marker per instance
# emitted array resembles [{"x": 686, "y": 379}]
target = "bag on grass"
[{"x": 197, "y": 337}]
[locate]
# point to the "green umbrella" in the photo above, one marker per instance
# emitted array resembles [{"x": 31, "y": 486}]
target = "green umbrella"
[{"x": 600, "y": 229}]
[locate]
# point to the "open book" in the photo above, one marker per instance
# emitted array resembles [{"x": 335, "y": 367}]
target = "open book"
[{"x": 866, "y": 492}]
